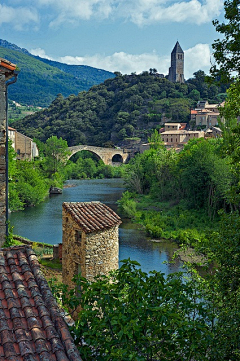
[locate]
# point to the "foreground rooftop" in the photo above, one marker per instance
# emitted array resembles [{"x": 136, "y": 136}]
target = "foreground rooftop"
[{"x": 32, "y": 327}]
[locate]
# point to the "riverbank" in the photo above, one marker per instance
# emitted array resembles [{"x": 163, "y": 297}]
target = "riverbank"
[{"x": 168, "y": 221}]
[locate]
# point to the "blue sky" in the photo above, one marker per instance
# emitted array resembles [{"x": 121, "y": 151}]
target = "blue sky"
[{"x": 115, "y": 35}]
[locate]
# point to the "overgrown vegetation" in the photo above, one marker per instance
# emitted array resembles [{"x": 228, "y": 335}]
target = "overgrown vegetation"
[{"x": 178, "y": 195}]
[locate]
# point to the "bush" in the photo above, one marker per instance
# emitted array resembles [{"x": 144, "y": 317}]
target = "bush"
[{"x": 127, "y": 206}]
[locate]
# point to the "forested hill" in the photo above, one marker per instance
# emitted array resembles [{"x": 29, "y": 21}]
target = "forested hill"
[
  {"x": 123, "y": 107},
  {"x": 40, "y": 80}
]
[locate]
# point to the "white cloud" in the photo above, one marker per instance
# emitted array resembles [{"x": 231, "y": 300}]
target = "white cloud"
[
  {"x": 192, "y": 11},
  {"x": 40, "y": 52},
  {"x": 196, "y": 58},
  {"x": 18, "y": 17},
  {"x": 74, "y": 10},
  {"x": 140, "y": 12},
  {"x": 123, "y": 62}
]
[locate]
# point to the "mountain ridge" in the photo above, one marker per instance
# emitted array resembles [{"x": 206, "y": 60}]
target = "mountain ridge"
[{"x": 44, "y": 79}]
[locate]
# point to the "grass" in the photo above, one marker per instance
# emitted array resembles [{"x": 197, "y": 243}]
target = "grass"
[
  {"x": 168, "y": 220},
  {"x": 54, "y": 264}
]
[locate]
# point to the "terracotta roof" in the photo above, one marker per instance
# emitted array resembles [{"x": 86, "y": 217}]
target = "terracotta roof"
[
  {"x": 92, "y": 216},
  {"x": 7, "y": 64},
  {"x": 31, "y": 325}
]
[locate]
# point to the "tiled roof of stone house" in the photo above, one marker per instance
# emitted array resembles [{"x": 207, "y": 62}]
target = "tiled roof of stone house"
[
  {"x": 92, "y": 216},
  {"x": 31, "y": 325},
  {"x": 7, "y": 64}
]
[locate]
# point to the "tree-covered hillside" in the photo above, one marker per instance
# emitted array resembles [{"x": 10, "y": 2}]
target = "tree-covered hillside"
[
  {"x": 39, "y": 82},
  {"x": 124, "y": 107}
]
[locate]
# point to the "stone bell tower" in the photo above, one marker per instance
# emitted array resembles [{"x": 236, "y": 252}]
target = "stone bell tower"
[{"x": 176, "y": 71}]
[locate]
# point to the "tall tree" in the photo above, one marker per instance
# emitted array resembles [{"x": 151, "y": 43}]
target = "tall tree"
[
  {"x": 56, "y": 153},
  {"x": 226, "y": 51}
]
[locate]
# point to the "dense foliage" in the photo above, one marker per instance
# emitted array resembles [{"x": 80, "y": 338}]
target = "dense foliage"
[
  {"x": 121, "y": 108},
  {"x": 132, "y": 315},
  {"x": 140, "y": 316},
  {"x": 43, "y": 81},
  {"x": 226, "y": 49}
]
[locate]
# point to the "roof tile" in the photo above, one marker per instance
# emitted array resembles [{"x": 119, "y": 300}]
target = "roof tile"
[
  {"x": 92, "y": 216},
  {"x": 31, "y": 325}
]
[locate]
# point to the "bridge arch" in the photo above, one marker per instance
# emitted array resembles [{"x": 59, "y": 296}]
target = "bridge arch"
[
  {"x": 90, "y": 151},
  {"x": 117, "y": 158},
  {"x": 109, "y": 156}
]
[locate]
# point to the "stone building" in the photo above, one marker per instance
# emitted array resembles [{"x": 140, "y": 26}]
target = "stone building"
[
  {"x": 90, "y": 240},
  {"x": 180, "y": 137},
  {"x": 174, "y": 126},
  {"x": 24, "y": 146},
  {"x": 7, "y": 71},
  {"x": 176, "y": 71},
  {"x": 206, "y": 115}
]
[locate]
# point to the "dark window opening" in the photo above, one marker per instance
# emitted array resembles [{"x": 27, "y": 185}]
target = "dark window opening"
[{"x": 78, "y": 236}]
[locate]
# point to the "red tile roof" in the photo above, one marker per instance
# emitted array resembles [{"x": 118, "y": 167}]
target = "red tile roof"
[
  {"x": 31, "y": 325},
  {"x": 92, "y": 216},
  {"x": 7, "y": 64}
]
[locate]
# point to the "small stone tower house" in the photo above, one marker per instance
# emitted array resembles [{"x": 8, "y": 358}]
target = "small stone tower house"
[
  {"x": 90, "y": 240},
  {"x": 176, "y": 71}
]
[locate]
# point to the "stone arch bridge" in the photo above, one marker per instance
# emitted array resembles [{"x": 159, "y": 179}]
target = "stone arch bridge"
[{"x": 110, "y": 156}]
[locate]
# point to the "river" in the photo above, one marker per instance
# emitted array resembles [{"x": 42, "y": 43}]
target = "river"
[{"x": 43, "y": 223}]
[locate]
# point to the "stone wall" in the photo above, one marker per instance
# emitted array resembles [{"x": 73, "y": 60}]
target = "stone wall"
[
  {"x": 2, "y": 158},
  {"x": 90, "y": 254},
  {"x": 23, "y": 146}
]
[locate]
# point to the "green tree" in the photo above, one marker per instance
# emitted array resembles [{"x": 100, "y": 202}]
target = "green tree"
[
  {"x": 155, "y": 140},
  {"x": 132, "y": 315},
  {"x": 56, "y": 153},
  {"x": 226, "y": 49}
]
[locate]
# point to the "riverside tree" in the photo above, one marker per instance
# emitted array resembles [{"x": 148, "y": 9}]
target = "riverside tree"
[
  {"x": 132, "y": 315},
  {"x": 56, "y": 153},
  {"x": 226, "y": 50}
]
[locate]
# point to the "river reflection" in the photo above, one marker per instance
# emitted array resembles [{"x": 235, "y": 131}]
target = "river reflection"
[{"x": 44, "y": 223}]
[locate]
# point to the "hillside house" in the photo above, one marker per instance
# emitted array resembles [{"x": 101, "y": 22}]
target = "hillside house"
[
  {"x": 175, "y": 138},
  {"x": 90, "y": 240},
  {"x": 31, "y": 324},
  {"x": 206, "y": 115},
  {"x": 174, "y": 126},
  {"x": 24, "y": 146}
]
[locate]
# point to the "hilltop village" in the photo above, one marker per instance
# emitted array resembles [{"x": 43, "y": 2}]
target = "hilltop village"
[{"x": 123, "y": 111}]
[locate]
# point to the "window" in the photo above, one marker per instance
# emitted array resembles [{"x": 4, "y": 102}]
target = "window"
[
  {"x": 18, "y": 151},
  {"x": 78, "y": 236}
]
